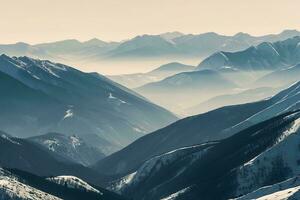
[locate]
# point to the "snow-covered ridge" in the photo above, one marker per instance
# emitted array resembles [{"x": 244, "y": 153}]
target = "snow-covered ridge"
[
  {"x": 12, "y": 189},
  {"x": 4, "y": 136},
  {"x": 73, "y": 182},
  {"x": 157, "y": 163},
  {"x": 175, "y": 195},
  {"x": 281, "y": 190}
]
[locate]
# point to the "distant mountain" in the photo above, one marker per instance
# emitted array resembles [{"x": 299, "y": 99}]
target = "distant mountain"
[
  {"x": 144, "y": 46},
  {"x": 139, "y": 79},
  {"x": 206, "y": 44},
  {"x": 19, "y": 185},
  {"x": 169, "y": 44},
  {"x": 245, "y": 96},
  {"x": 281, "y": 77},
  {"x": 71, "y": 148},
  {"x": 40, "y": 96},
  {"x": 185, "y": 89},
  {"x": 171, "y": 35},
  {"x": 242, "y": 163},
  {"x": 265, "y": 56}
]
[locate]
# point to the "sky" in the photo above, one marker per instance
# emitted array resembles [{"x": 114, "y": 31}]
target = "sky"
[{"x": 36, "y": 21}]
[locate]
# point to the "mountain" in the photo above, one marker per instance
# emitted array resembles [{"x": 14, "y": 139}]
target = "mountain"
[
  {"x": 171, "y": 35},
  {"x": 19, "y": 185},
  {"x": 71, "y": 148},
  {"x": 211, "y": 126},
  {"x": 144, "y": 46},
  {"x": 189, "y": 131},
  {"x": 245, "y": 96},
  {"x": 265, "y": 56},
  {"x": 28, "y": 156},
  {"x": 237, "y": 165},
  {"x": 281, "y": 77},
  {"x": 139, "y": 79},
  {"x": 186, "y": 89},
  {"x": 171, "y": 44},
  {"x": 205, "y": 44},
  {"x": 41, "y": 96}
]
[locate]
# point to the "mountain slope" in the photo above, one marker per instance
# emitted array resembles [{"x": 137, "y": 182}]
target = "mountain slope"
[
  {"x": 71, "y": 148},
  {"x": 281, "y": 77},
  {"x": 76, "y": 103},
  {"x": 139, "y": 79},
  {"x": 186, "y": 132},
  {"x": 214, "y": 125},
  {"x": 265, "y": 56},
  {"x": 245, "y": 96},
  {"x": 15, "y": 184},
  {"x": 209, "y": 172},
  {"x": 28, "y": 156},
  {"x": 186, "y": 89}
]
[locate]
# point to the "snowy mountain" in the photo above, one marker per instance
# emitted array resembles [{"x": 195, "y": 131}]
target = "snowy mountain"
[
  {"x": 71, "y": 148},
  {"x": 186, "y": 89},
  {"x": 265, "y": 56},
  {"x": 29, "y": 156},
  {"x": 251, "y": 159},
  {"x": 139, "y": 79},
  {"x": 19, "y": 185},
  {"x": 41, "y": 96}
]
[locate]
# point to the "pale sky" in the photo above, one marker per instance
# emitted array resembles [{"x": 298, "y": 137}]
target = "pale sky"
[{"x": 35, "y": 21}]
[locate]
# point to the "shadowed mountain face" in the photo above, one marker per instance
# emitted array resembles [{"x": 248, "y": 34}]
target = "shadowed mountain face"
[
  {"x": 41, "y": 96},
  {"x": 70, "y": 148},
  {"x": 265, "y": 56}
]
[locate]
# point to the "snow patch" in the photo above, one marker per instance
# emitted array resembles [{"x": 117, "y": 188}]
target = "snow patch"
[{"x": 73, "y": 182}]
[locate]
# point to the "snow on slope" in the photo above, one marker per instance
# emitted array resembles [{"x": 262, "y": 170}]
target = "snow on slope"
[
  {"x": 278, "y": 163},
  {"x": 73, "y": 182},
  {"x": 12, "y": 189},
  {"x": 177, "y": 194},
  {"x": 282, "y": 190},
  {"x": 157, "y": 163},
  {"x": 287, "y": 100}
]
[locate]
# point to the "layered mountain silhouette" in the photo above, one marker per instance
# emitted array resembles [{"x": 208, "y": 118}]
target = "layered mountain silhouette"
[
  {"x": 265, "y": 56},
  {"x": 184, "y": 89},
  {"x": 40, "y": 96},
  {"x": 211, "y": 126},
  {"x": 166, "y": 44},
  {"x": 139, "y": 79}
]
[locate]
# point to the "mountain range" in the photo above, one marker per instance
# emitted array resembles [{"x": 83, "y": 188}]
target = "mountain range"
[
  {"x": 150, "y": 46},
  {"x": 207, "y": 127},
  {"x": 265, "y": 56},
  {"x": 40, "y": 97},
  {"x": 140, "y": 79}
]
